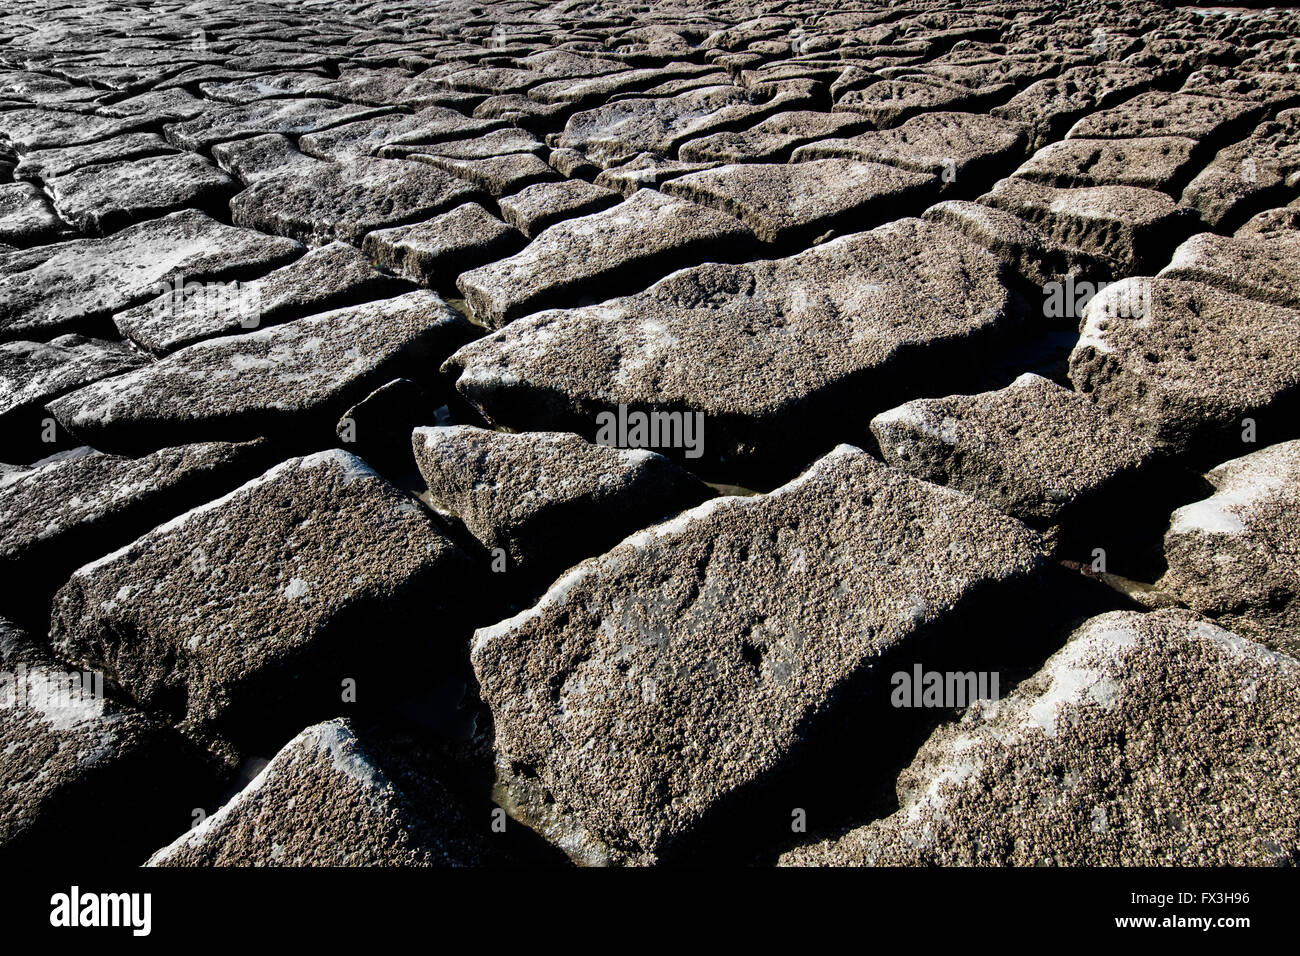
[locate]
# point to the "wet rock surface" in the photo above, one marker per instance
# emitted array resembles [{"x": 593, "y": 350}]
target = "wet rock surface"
[{"x": 552, "y": 302}]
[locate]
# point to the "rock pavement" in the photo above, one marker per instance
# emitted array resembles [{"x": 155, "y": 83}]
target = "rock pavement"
[{"x": 670, "y": 434}]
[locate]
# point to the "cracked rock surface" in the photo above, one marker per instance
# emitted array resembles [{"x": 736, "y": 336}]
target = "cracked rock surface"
[{"x": 588, "y": 420}]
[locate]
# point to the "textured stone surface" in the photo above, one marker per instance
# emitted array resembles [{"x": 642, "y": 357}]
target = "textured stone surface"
[
  {"x": 433, "y": 253},
  {"x": 75, "y": 506},
  {"x": 1033, "y": 449},
  {"x": 544, "y": 204},
  {"x": 346, "y": 200},
  {"x": 234, "y": 615},
  {"x": 648, "y": 231},
  {"x": 1236, "y": 555},
  {"x": 325, "y": 278},
  {"x": 1128, "y": 226},
  {"x": 1049, "y": 107},
  {"x": 622, "y": 129},
  {"x": 1183, "y": 364},
  {"x": 773, "y": 139},
  {"x": 291, "y": 117},
  {"x": 663, "y": 253},
  {"x": 334, "y": 797},
  {"x": 1151, "y": 162},
  {"x": 103, "y": 198},
  {"x": 1099, "y": 760},
  {"x": 496, "y": 175},
  {"x": 548, "y": 499},
  {"x": 1164, "y": 114},
  {"x": 43, "y": 163},
  {"x": 1258, "y": 267},
  {"x": 1024, "y": 247},
  {"x": 261, "y": 157},
  {"x": 959, "y": 148},
  {"x": 797, "y": 202},
  {"x": 646, "y": 171},
  {"x": 90, "y": 278},
  {"x": 764, "y": 349},
  {"x": 30, "y": 129},
  {"x": 26, "y": 216},
  {"x": 394, "y": 134},
  {"x": 33, "y": 373},
  {"x": 287, "y": 381},
  {"x": 70, "y": 758},
  {"x": 725, "y": 634},
  {"x": 1246, "y": 174}
]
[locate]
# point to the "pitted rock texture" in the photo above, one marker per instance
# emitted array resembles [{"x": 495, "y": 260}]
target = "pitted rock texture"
[
  {"x": 89, "y": 278},
  {"x": 1183, "y": 364},
  {"x": 548, "y": 499},
  {"x": 1013, "y": 448},
  {"x": 323, "y": 279},
  {"x": 775, "y": 346},
  {"x": 267, "y": 591},
  {"x": 1236, "y": 555},
  {"x": 333, "y": 201},
  {"x": 281, "y": 380},
  {"x": 1098, "y": 759},
  {"x": 649, "y": 231},
  {"x": 599, "y": 687},
  {"x": 67, "y": 510},
  {"x": 333, "y": 797},
  {"x": 70, "y": 756},
  {"x": 565, "y": 293}
]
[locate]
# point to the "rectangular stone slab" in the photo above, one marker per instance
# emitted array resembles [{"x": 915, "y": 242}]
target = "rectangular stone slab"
[
  {"x": 577, "y": 256},
  {"x": 1033, "y": 449},
  {"x": 71, "y": 508},
  {"x": 1130, "y": 227},
  {"x": 326, "y": 202},
  {"x": 1234, "y": 555},
  {"x": 289, "y": 116},
  {"x": 245, "y": 615},
  {"x": 291, "y": 381},
  {"x": 1260, "y": 267},
  {"x": 337, "y": 796},
  {"x": 92, "y": 278},
  {"x": 797, "y": 202},
  {"x": 1184, "y": 364},
  {"x": 325, "y": 278},
  {"x": 962, "y": 149},
  {"x": 76, "y": 762},
  {"x": 105, "y": 197},
  {"x": 687, "y": 664},
  {"x": 776, "y": 354},
  {"x": 1100, "y": 759}
]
